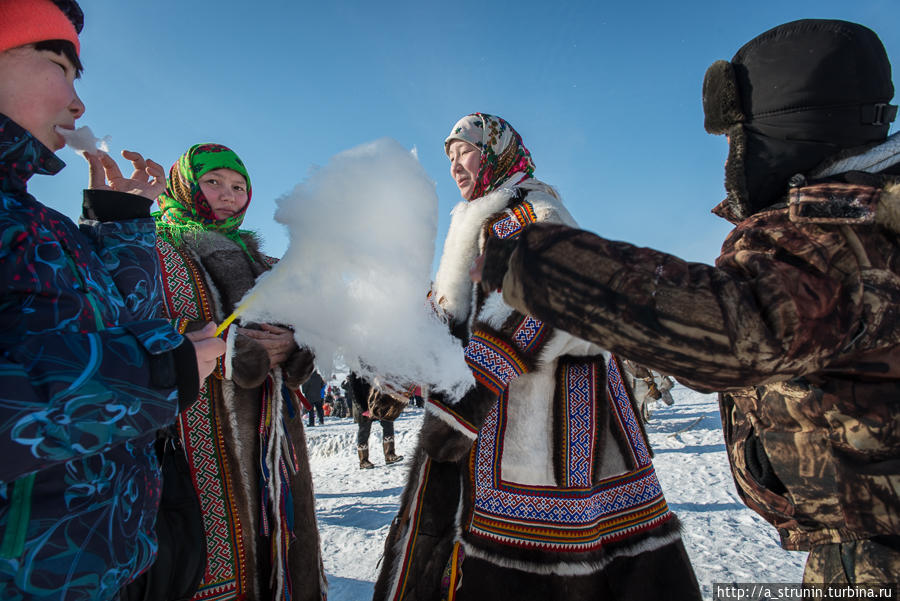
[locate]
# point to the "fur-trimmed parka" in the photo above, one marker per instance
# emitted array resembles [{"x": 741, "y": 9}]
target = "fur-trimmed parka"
[{"x": 222, "y": 439}]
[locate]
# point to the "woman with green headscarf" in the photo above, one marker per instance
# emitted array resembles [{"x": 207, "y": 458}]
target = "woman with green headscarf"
[{"x": 243, "y": 438}]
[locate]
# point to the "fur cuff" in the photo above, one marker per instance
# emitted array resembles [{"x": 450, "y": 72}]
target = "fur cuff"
[
  {"x": 298, "y": 367},
  {"x": 249, "y": 362},
  {"x": 445, "y": 437}
]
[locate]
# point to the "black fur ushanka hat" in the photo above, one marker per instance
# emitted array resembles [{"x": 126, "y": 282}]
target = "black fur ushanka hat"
[{"x": 791, "y": 98}]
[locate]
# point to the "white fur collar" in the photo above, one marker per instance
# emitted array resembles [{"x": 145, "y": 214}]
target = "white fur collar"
[
  {"x": 452, "y": 289},
  {"x": 452, "y": 286}
]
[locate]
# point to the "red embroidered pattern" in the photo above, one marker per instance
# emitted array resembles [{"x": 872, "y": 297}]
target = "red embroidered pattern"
[
  {"x": 225, "y": 576},
  {"x": 515, "y": 220},
  {"x": 529, "y": 333}
]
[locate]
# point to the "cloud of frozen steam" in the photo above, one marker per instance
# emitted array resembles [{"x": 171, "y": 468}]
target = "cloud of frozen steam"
[{"x": 353, "y": 280}]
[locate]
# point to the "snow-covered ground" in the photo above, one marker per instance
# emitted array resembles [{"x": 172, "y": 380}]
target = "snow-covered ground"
[{"x": 727, "y": 542}]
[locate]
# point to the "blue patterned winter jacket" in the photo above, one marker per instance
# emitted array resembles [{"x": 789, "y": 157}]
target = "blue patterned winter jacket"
[{"x": 87, "y": 376}]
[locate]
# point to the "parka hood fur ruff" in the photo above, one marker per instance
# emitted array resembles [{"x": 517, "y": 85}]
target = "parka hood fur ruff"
[{"x": 452, "y": 289}]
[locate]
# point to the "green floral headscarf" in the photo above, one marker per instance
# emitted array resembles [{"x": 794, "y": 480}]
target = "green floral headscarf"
[
  {"x": 502, "y": 152},
  {"x": 183, "y": 207}
]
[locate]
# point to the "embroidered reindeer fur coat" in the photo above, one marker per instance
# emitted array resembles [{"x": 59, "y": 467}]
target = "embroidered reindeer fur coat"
[
  {"x": 543, "y": 467},
  {"x": 235, "y": 403}
]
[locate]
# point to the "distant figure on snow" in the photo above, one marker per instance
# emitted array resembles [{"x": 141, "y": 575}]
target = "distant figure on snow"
[{"x": 362, "y": 392}]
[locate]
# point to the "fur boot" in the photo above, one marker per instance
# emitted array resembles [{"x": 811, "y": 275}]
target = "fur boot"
[
  {"x": 364, "y": 463},
  {"x": 389, "y": 455}
]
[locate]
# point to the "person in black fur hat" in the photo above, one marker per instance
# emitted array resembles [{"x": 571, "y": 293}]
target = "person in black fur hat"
[{"x": 798, "y": 324}]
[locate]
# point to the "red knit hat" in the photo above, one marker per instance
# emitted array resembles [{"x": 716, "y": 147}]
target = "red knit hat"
[{"x": 28, "y": 21}]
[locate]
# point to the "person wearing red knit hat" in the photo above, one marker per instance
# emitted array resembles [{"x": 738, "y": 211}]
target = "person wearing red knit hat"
[{"x": 88, "y": 374}]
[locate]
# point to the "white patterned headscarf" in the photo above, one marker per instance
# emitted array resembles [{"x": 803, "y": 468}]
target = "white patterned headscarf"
[{"x": 502, "y": 152}]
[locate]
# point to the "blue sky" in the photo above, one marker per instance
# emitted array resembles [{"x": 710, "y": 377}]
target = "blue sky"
[{"x": 605, "y": 94}]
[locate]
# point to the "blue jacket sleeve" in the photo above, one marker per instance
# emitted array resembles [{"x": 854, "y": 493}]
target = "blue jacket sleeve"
[
  {"x": 67, "y": 394},
  {"x": 123, "y": 234}
]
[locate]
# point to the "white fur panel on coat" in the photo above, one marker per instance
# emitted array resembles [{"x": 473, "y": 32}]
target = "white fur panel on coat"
[
  {"x": 528, "y": 443},
  {"x": 528, "y": 440},
  {"x": 452, "y": 289}
]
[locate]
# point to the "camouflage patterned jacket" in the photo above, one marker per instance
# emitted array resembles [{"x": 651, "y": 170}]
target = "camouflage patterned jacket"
[{"x": 797, "y": 326}]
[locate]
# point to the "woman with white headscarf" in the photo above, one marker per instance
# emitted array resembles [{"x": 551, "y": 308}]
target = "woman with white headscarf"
[{"x": 537, "y": 484}]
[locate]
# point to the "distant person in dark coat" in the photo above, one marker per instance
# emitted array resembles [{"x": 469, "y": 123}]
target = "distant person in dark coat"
[
  {"x": 313, "y": 389},
  {"x": 360, "y": 390}
]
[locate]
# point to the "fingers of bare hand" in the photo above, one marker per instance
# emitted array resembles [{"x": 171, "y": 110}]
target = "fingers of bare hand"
[
  {"x": 140, "y": 166},
  {"x": 207, "y": 332},
  {"x": 110, "y": 167},
  {"x": 96, "y": 175},
  {"x": 255, "y": 334},
  {"x": 155, "y": 170},
  {"x": 209, "y": 348},
  {"x": 154, "y": 188},
  {"x": 476, "y": 269}
]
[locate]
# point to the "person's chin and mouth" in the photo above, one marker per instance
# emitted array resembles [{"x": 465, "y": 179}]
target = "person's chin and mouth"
[
  {"x": 465, "y": 186},
  {"x": 59, "y": 141}
]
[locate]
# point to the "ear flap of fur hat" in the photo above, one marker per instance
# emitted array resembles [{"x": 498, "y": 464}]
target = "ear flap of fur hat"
[
  {"x": 723, "y": 115},
  {"x": 721, "y": 102},
  {"x": 735, "y": 206}
]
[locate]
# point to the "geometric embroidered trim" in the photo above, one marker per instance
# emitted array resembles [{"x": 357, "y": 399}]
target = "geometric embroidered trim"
[
  {"x": 623, "y": 413},
  {"x": 578, "y": 518},
  {"x": 514, "y": 221},
  {"x": 493, "y": 362},
  {"x": 225, "y": 576},
  {"x": 579, "y": 424},
  {"x": 528, "y": 334}
]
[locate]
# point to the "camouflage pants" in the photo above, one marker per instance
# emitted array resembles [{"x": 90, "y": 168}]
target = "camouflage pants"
[{"x": 858, "y": 562}]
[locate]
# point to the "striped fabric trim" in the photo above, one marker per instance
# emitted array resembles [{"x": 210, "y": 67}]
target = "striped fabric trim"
[
  {"x": 624, "y": 414},
  {"x": 451, "y": 418},
  {"x": 529, "y": 334},
  {"x": 578, "y": 421},
  {"x": 398, "y": 587},
  {"x": 493, "y": 362},
  {"x": 226, "y": 564}
]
